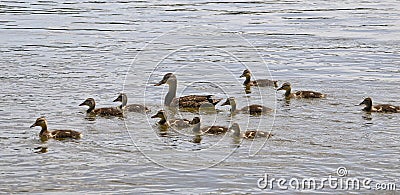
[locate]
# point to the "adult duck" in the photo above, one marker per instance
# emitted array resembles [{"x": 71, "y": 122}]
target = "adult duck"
[
  {"x": 131, "y": 107},
  {"x": 190, "y": 101},
  {"x": 110, "y": 111},
  {"x": 299, "y": 94},
  {"x": 56, "y": 134},
  {"x": 260, "y": 82},
  {"x": 379, "y": 107},
  {"x": 252, "y": 109}
]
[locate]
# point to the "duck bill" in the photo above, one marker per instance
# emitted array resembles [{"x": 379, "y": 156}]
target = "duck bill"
[
  {"x": 118, "y": 99},
  {"x": 34, "y": 125},
  {"x": 82, "y": 104},
  {"x": 242, "y": 76},
  {"x": 361, "y": 103},
  {"x": 225, "y": 103},
  {"x": 280, "y": 88},
  {"x": 154, "y": 116},
  {"x": 160, "y": 83}
]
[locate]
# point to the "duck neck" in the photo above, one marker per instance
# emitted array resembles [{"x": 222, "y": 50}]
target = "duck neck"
[
  {"x": 171, "y": 92},
  {"x": 91, "y": 107},
  {"x": 162, "y": 121},
  {"x": 236, "y": 132},
  {"x": 124, "y": 101},
  {"x": 196, "y": 128},
  {"x": 44, "y": 129},
  {"x": 247, "y": 81},
  {"x": 288, "y": 92},
  {"x": 368, "y": 106},
  {"x": 233, "y": 106}
]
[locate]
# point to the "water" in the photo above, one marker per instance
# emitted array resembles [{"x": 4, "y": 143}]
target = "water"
[{"x": 55, "y": 55}]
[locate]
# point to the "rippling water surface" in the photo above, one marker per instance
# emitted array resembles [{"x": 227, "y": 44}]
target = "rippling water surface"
[{"x": 55, "y": 55}]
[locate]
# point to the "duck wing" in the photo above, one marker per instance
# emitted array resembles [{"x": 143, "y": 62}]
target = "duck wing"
[
  {"x": 111, "y": 111},
  {"x": 136, "y": 108},
  {"x": 215, "y": 129},
  {"x": 309, "y": 94},
  {"x": 385, "y": 108},
  {"x": 62, "y": 134},
  {"x": 193, "y": 101},
  {"x": 256, "y": 109},
  {"x": 253, "y": 134},
  {"x": 265, "y": 83}
]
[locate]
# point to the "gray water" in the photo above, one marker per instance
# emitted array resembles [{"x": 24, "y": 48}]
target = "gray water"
[{"x": 55, "y": 55}]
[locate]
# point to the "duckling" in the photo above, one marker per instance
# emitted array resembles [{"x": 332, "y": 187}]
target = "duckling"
[
  {"x": 190, "y": 101},
  {"x": 378, "y": 108},
  {"x": 111, "y": 111},
  {"x": 299, "y": 94},
  {"x": 209, "y": 130},
  {"x": 56, "y": 134},
  {"x": 180, "y": 123},
  {"x": 251, "y": 134},
  {"x": 261, "y": 82},
  {"x": 252, "y": 109},
  {"x": 131, "y": 107}
]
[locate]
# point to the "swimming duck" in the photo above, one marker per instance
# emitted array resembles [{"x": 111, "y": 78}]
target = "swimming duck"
[
  {"x": 251, "y": 134},
  {"x": 299, "y": 94},
  {"x": 56, "y": 134},
  {"x": 379, "y": 107},
  {"x": 261, "y": 82},
  {"x": 111, "y": 111},
  {"x": 252, "y": 109},
  {"x": 180, "y": 123},
  {"x": 131, "y": 107},
  {"x": 208, "y": 130},
  {"x": 190, "y": 101}
]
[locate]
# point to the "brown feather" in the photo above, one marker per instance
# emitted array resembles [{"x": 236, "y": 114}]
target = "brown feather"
[{"x": 215, "y": 129}]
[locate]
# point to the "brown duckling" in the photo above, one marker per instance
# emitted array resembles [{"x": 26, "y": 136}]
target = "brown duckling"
[
  {"x": 379, "y": 107},
  {"x": 251, "y": 134},
  {"x": 131, "y": 107},
  {"x": 110, "y": 111},
  {"x": 56, "y": 134},
  {"x": 180, "y": 123},
  {"x": 207, "y": 130},
  {"x": 252, "y": 109},
  {"x": 299, "y": 94},
  {"x": 261, "y": 82},
  {"x": 190, "y": 101}
]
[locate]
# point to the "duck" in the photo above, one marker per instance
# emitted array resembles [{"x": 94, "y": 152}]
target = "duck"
[
  {"x": 250, "y": 134},
  {"x": 110, "y": 111},
  {"x": 260, "y": 83},
  {"x": 190, "y": 101},
  {"x": 299, "y": 94},
  {"x": 379, "y": 107},
  {"x": 252, "y": 109},
  {"x": 180, "y": 123},
  {"x": 215, "y": 130},
  {"x": 131, "y": 107},
  {"x": 56, "y": 134}
]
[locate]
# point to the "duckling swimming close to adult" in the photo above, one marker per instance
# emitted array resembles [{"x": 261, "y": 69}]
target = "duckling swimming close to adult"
[
  {"x": 207, "y": 130},
  {"x": 379, "y": 107},
  {"x": 190, "y": 101},
  {"x": 131, "y": 107},
  {"x": 252, "y": 109},
  {"x": 261, "y": 82},
  {"x": 56, "y": 134},
  {"x": 110, "y": 111},
  {"x": 180, "y": 123},
  {"x": 299, "y": 94},
  {"x": 251, "y": 134}
]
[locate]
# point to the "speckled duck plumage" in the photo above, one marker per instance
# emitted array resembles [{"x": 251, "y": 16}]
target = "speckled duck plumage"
[
  {"x": 56, "y": 134},
  {"x": 299, "y": 94},
  {"x": 123, "y": 98},
  {"x": 379, "y": 107},
  {"x": 190, "y": 101},
  {"x": 110, "y": 111},
  {"x": 250, "y": 134},
  {"x": 215, "y": 130},
  {"x": 252, "y": 109},
  {"x": 180, "y": 123},
  {"x": 260, "y": 82}
]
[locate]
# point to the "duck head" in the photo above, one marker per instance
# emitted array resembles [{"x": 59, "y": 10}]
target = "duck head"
[
  {"x": 168, "y": 78},
  {"x": 285, "y": 86},
  {"x": 246, "y": 73},
  {"x": 160, "y": 114},
  {"x": 88, "y": 102},
  {"x": 228, "y": 101},
  {"x": 196, "y": 127},
  {"x": 122, "y": 98},
  {"x": 41, "y": 121},
  {"x": 367, "y": 101}
]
